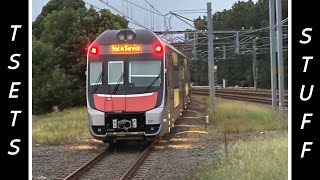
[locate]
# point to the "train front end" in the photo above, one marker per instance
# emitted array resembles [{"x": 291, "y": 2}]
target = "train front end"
[{"x": 125, "y": 85}]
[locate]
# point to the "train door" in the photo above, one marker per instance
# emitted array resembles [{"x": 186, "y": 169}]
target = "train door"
[
  {"x": 182, "y": 81},
  {"x": 169, "y": 89}
]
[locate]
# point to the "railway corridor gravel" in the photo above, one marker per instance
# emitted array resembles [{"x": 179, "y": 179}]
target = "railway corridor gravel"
[
  {"x": 178, "y": 155},
  {"x": 56, "y": 162},
  {"x": 113, "y": 165},
  {"x": 188, "y": 146}
]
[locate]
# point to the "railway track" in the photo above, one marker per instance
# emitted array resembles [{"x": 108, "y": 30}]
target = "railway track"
[
  {"x": 140, "y": 162},
  {"x": 138, "y": 169},
  {"x": 260, "y": 96},
  {"x": 77, "y": 173},
  {"x": 139, "y": 165}
]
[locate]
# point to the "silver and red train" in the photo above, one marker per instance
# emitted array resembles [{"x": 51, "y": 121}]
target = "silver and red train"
[{"x": 137, "y": 85}]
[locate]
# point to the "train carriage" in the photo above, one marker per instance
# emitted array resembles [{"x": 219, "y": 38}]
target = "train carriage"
[{"x": 137, "y": 85}]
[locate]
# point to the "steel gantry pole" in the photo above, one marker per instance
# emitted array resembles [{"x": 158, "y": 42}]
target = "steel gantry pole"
[
  {"x": 273, "y": 54},
  {"x": 237, "y": 49},
  {"x": 254, "y": 59},
  {"x": 280, "y": 54},
  {"x": 195, "y": 37},
  {"x": 210, "y": 57}
]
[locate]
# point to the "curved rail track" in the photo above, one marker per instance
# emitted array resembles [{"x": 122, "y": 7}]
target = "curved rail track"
[
  {"x": 259, "y": 96},
  {"x": 138, "y": 165}
]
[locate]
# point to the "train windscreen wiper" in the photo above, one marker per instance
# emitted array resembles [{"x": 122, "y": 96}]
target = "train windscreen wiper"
[
  {"x": 118, "y": 84},
  {"x": 152, "y": 83},
  {"x": 96, "y": 85}
]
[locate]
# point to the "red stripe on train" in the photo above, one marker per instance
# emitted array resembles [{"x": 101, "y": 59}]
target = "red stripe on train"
[{"x": 128, "y": 104}]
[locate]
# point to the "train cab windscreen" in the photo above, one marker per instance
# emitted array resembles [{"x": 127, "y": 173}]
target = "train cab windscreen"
[
  {"x": 143, "y": 73},
  {"x": 137, "y": 74}
]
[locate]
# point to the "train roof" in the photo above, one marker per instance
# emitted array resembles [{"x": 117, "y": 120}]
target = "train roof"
[
  {"x": 144, "y": 36},
  {"x": 175, "y": 49}
]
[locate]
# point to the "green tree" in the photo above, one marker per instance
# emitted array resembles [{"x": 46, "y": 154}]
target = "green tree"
[{"x": 61, "y": 33}]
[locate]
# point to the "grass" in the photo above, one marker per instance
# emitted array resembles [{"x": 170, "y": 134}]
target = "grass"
[
  {"x": 60, "y": 127},
  {"x": 261, "y": 159},
  {"x": 239, "y": 116}
]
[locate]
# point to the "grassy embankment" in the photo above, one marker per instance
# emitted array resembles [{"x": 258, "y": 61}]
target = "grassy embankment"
[
  {"x": 261, "y": 158},
  {"x": 253, "y": 160},
  {"x": 60, "y": 127},
  {"x": 238, "y": 116}
]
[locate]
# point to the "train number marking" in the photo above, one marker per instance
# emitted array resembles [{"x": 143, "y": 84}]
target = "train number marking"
[{"x": 150, "y": 121}]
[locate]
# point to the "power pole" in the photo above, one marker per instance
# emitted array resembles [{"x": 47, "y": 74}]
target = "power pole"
[
  {"x": 210, "y": 57},
  {"x": 237, "y": 43},
  {"x": 280, "y": 54},
  {"x": 254, "y": 59},
  {"x": 273, "y": 54},
  {"x": 195, "y": 37},
  {"x": 224, "y": 52}
]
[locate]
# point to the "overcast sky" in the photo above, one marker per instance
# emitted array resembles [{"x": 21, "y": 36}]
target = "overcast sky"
[{"x": 151, "y": 20}]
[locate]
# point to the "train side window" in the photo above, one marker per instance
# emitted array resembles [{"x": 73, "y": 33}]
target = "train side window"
[
  {"x": 181, "y": 73},
  {"x": 95, "y": 71},
  {"x": 185, "y": 64},
  {"x": 115, "y": 70},
  {"x": 176, "y": 97},
  {"x": 175, "y": 59},
  {"x": 187, "y": 89}
]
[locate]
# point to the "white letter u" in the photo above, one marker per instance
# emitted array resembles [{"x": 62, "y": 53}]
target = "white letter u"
[{"x": 302, "y": 92}]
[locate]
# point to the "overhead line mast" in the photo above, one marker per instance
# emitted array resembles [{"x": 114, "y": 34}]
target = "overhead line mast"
[{"x": 210, "y": 57}]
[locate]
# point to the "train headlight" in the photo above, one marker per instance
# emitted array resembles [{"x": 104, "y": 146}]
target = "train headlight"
[
  {"x": 157, "y": 49},
  {"x": 121, "y": 37},
  {"x": 130, "y": 36},
  {"x": 94, "y": 50},
  {"x": 114, "y": 123},
  {"x": 134, "y": 123},
  {"x": 126, "y": 35}
]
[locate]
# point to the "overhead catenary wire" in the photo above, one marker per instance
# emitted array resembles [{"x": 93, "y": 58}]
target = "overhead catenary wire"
[
  {"x": 180, "y": 17},
  {"x": 228, "y": 41},
  {"x": 154, "y": 8},
  {"x": 152, "y": 17},
  {"x": 92, "y": 5},
  {"x": 189, "y": 10},
  {"x": 142, "y": 7},
  {"x": 123, "y": 14},
  {"x": 165, "y": 18},
  {"x": 196, "y": 12}
]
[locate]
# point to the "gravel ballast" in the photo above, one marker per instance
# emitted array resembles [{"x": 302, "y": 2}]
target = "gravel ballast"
[{"x": 178, "y": 155}]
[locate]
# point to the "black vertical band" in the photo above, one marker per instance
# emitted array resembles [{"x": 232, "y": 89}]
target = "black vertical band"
[
  {"x": 303, "y": 16},
  {"x": 14, "y": 139}
]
